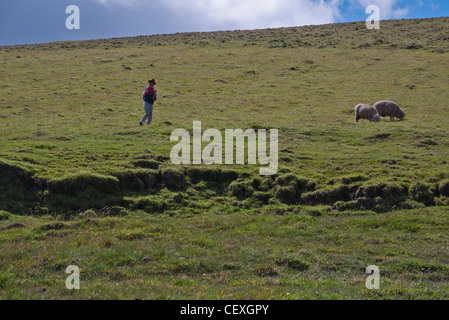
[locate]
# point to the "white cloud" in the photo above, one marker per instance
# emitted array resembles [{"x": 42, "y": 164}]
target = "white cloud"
[
  {"x": 434, "y": 7},
  {"x": 254, "y": 14},
  {"x": 246, "y": 14},
  {"x": 389, "y": 9},
  {"x": 123, "y": 3}
]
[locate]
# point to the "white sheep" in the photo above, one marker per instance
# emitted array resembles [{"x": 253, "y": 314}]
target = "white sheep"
[
  {"x": 364, "y": 111},
  {"x": 389, "y": 109}
]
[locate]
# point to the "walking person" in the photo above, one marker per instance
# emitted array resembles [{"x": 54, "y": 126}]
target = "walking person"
[{"x": 149, "y": 96}]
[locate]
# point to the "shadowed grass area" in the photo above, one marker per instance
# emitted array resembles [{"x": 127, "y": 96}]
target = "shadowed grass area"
[{"x": 82, "y": 183}]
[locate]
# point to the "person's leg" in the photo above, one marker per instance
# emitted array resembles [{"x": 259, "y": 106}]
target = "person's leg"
[
  {"x": 150, "y": 113},
  {"x": 145, "y": 116}
]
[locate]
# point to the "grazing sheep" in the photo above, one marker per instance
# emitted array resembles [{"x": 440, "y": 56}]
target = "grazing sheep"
[
  {"x": 389, "y": 109},
  {"x": 364, "y": 111}
]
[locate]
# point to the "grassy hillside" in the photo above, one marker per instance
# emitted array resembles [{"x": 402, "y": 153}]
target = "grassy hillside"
[{"x": 82, "y": 183}]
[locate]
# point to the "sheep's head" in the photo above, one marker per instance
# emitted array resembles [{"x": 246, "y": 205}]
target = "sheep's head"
[
  {"x": 401, "y": 114},
  {"x": 376, "y": 118}
]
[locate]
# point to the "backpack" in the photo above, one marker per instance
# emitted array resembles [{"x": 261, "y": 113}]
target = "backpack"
[{"x": 149, "y": 95}]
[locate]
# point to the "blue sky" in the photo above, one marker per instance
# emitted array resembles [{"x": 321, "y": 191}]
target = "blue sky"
[{"x": 32, "y": 21}]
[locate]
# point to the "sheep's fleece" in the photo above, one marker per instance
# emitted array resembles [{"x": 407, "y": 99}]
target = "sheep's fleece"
[
  {"x": 364, "y": 111},
  {"x": 389, "y": 109}
]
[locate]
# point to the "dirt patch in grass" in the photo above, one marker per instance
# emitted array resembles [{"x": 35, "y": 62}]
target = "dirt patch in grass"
[
  {"x": 380, "y": 136},
  {"x": 147, "y": 164},
  {"x": 12, "y": 226}
]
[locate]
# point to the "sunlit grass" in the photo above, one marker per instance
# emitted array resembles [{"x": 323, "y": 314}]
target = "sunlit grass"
[{"x": 104, "y": 199}]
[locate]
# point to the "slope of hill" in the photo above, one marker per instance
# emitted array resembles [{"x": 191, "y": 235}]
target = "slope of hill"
[{"x": 76, "y": 169}]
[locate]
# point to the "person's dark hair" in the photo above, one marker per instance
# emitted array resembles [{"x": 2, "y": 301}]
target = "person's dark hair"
[{"x": 152, "y": 81}]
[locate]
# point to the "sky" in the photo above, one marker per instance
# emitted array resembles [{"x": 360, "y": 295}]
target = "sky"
[{"x": 40, "y": 21}]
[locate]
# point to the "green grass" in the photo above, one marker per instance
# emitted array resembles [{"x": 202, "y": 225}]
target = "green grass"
[
  {"x": 226, "y": 256},
  {"x": 82, "y": 183}
]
